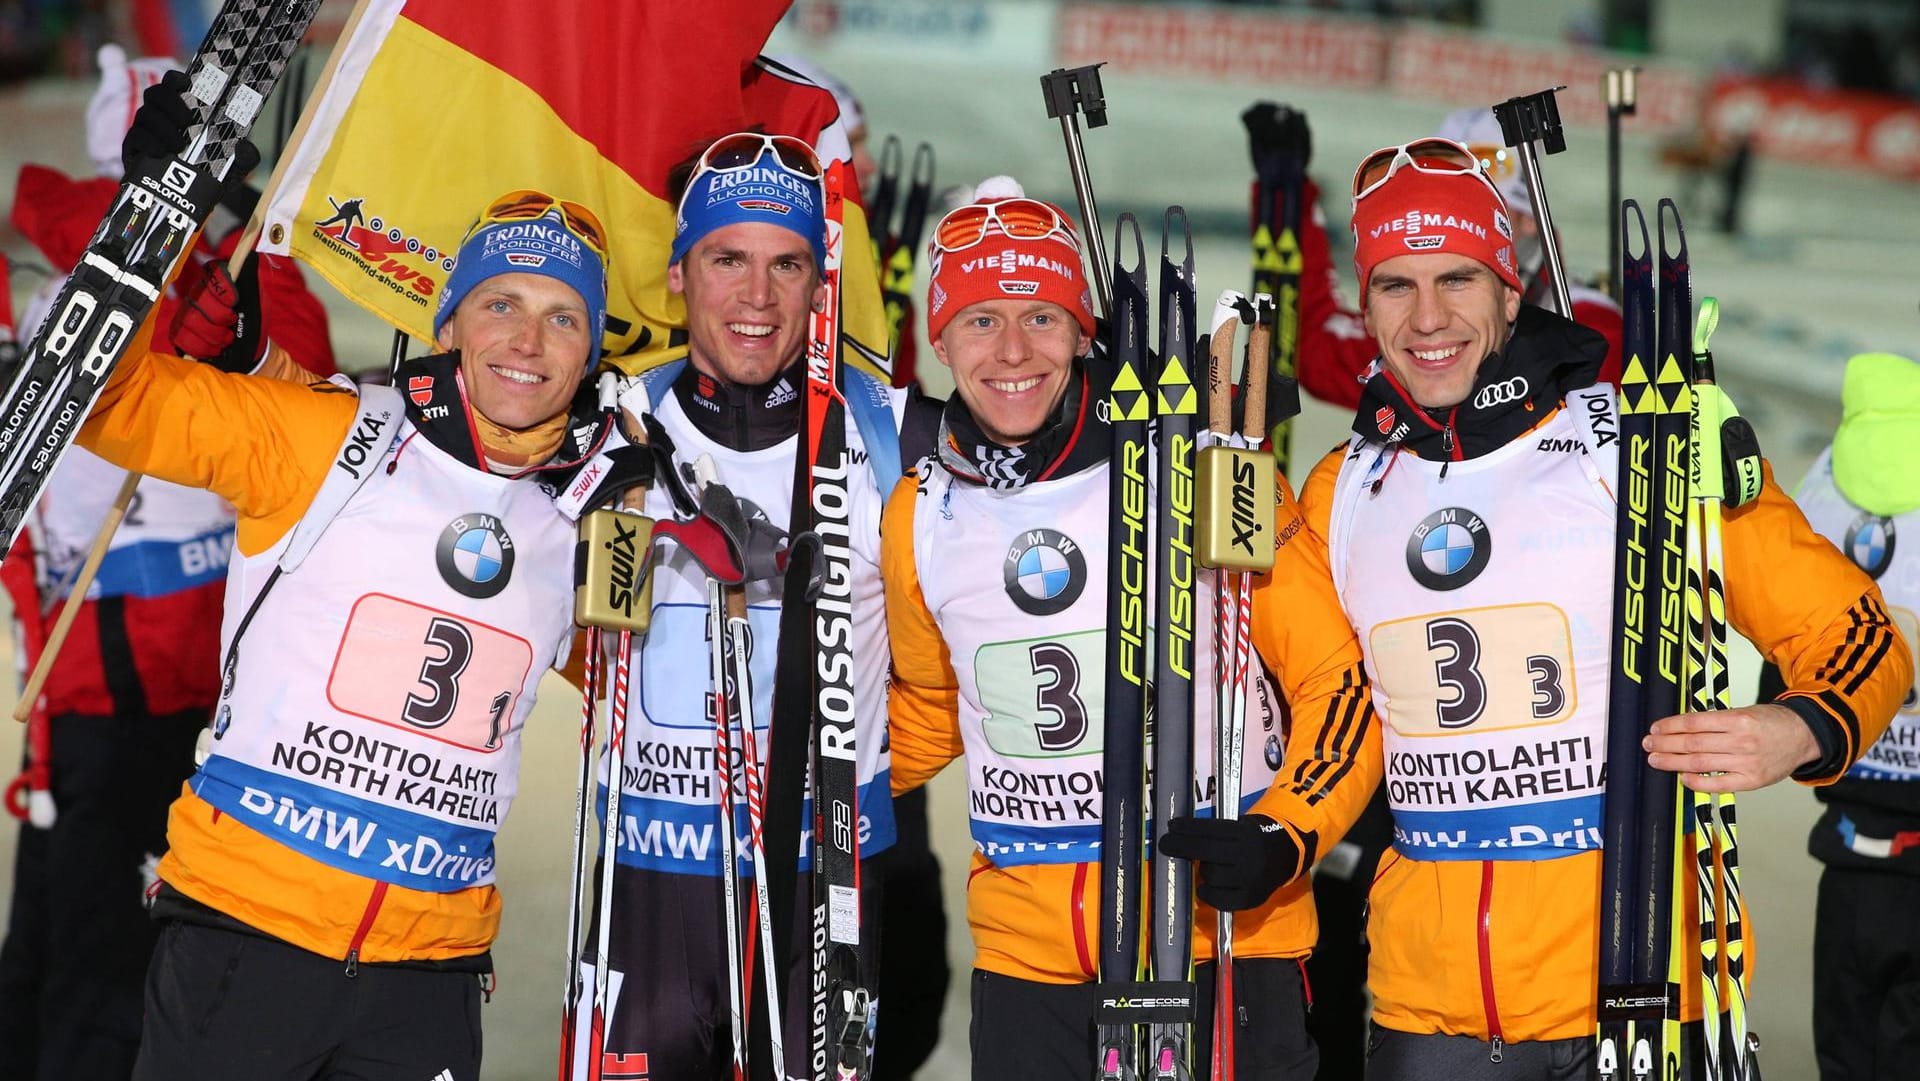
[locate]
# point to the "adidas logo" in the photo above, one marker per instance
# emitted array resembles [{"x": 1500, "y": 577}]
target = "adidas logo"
[
  {"x": 443, "y": 1075},
  {"x": 781, "y": 394}
]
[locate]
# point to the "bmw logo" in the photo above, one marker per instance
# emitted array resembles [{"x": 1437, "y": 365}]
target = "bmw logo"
[
  {"x": 1273, "y": 753},
  {"x": 1044, "y": 572},
  {"x": 1870, "y": 543},
  {"x": 1448, "y": 549},
  {"x": 475, "y": 555}
]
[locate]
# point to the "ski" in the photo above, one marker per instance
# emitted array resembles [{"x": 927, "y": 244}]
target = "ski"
[
  {"x": 1725, "y": 472},
  {"x": 1123, "y": 758},
  {"x": 1278, "y": 192},
  {"x": 842, "y": 995},
  {"x": 903, "y": 246},
  {"x": 1626, "y": 1005},
  {"x": 1176, "y": 406},
  {"x": 138, "y": 246}
]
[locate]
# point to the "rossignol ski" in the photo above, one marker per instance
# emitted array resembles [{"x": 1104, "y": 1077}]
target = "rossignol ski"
[
  {"x": 1118, "y": 1018},
  {"x": 137, "y": 248},
  {"x": 1176, "y": 408},
  {"x": 842, "y": 997}
]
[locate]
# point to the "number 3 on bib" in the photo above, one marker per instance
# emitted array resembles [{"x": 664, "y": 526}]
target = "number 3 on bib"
[
  {"x": 1480, "y": 668},
  {"x": 437, "y": 674}
]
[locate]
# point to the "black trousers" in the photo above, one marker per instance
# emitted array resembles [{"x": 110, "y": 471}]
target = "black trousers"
[
  {"x": 1866, "y": 975},
  {"x": 78, "y": 936},
  {"x": 1044, "y": 1032},
  {"x": 670, "y": 1007},
  {"x": 914, "y": 971},
  {"x": 228, "y": 1006}
]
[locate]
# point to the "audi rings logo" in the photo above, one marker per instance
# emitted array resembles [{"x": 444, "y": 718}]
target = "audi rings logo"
[{"x": 1509, "y": 390}]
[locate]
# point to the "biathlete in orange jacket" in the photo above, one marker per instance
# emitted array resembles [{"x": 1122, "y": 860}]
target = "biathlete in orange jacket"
[
  {"x": 1471, "y": 538},
  {"x": 400, "y": 583},
  {"x": 994, "y": 557}
]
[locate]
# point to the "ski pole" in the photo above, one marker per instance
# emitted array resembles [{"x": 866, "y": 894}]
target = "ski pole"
[
  {"x": 723, "y": 715},
  {"x": 1226, "y": 772},
  {"x": 886, "y": 191},
  {"x": 1621, "y": 97},
  {"x": 570, "y": 988},
  {"x": 741, "y": 702},
  {"x": 897, "y": 274},
  {"x": 1523, "y": 120},
  {"x": 1068, "y": 91}
]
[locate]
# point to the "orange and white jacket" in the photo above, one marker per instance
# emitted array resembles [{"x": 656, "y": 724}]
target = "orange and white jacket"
[
  {"x": 1481, "y": 592},
  {"x": 367, "y": 742},
  {"x": 996, "y": 604}
]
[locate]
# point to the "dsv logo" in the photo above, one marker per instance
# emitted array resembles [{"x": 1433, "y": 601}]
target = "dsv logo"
[{"x": 1510, "y": 390}]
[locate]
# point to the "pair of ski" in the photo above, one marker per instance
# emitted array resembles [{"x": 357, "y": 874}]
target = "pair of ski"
[
  {"x": 147, "y": 232},
  {"x": 896, "y": 246},
  {"x": 1684, "y": 454},
  {"x": 1145, "y": 1010}
]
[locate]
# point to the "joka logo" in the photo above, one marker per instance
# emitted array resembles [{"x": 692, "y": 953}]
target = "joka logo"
[
  {"x": 475, "y": 555},
  {"x": 1448, "y": 549},
  {"x": 1870, "y": 543},
  {"x": 1383, "y": 419},
  {"x": 420, "y": 390},
  {"x": 1507, "y": 390},
  {"x": 1044, "y": 572}
]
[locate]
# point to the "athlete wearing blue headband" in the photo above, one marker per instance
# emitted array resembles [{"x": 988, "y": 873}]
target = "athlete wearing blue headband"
[{"x": 750, "y": 177}]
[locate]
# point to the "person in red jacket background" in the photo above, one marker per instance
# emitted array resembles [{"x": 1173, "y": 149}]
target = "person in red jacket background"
[
  {"x": 111, "y": 736},
  {"x": 1336, "y": 352}
]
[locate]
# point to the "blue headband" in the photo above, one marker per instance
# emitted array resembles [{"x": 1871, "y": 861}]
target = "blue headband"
[
  {"x": 765, "y": 191},
  {"x": 543, "y": 246}
]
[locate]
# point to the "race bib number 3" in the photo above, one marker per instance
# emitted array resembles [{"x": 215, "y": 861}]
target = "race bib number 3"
[
  {"x": 1044, "y": 697},
  {"x": 446, "y": 677},
  {"x": 1476, "y": 670}
]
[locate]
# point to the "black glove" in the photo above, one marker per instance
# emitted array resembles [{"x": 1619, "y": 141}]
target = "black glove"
[
  {"x": 1240, "y": 861},
  {"x": 1278, "y": 136},
  {"x": 160, "y": 130}
]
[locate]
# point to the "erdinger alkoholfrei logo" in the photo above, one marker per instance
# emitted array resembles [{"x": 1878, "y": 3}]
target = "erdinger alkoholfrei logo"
[
  {"x": 1870, "y": 543},
  {"x": 475, "y": 555},
  {"x": 1449, "y": 548},
  {"x": 1044, "y": 572}
]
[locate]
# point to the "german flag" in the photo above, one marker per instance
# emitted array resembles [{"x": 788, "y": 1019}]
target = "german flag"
[{"x": 431, "y": 108}]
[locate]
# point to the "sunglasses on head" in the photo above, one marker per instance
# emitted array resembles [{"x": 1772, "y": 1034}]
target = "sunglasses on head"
[
  {"x": 742, "y": 150},
  {"x": 528, "y": 204},
  {"x": 1442, "y": 157},
  {"x": 1019, "y": 219}
]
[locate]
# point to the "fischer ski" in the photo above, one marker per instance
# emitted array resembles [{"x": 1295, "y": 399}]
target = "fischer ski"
[
  {"x": 1176, "y": 405},
  {"x": 137, "y": 248},
  {"x": 1118, "y": 1017}
]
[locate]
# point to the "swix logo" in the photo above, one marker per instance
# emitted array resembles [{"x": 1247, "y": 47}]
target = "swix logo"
[
  {"x": 1508, "y": 390},
  {"x": 589, "y": 477},
  {"x": 1018, "y": 288},
  {"x": 1383, "y": 418},
  {"x": 420, "y": 390},
  {"x": 1415, "y": 221},
  {"x": 625, "y": 579},
  {"x": 1246, "y": 519}
]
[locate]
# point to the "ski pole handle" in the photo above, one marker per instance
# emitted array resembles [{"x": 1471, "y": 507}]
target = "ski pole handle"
[
  {"x": 1253, "y": 420},
  {"x": 1227, "y": 312},
  {"x": 75, "y": 596},
  {"x": 1067, "y": 92}
]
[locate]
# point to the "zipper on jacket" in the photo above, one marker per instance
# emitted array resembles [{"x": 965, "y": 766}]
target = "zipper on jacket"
[
  {"x": 1079, "y": 917},
  {"x": 366, "y": 925},
  {"x": 1486, "y": 962}
]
